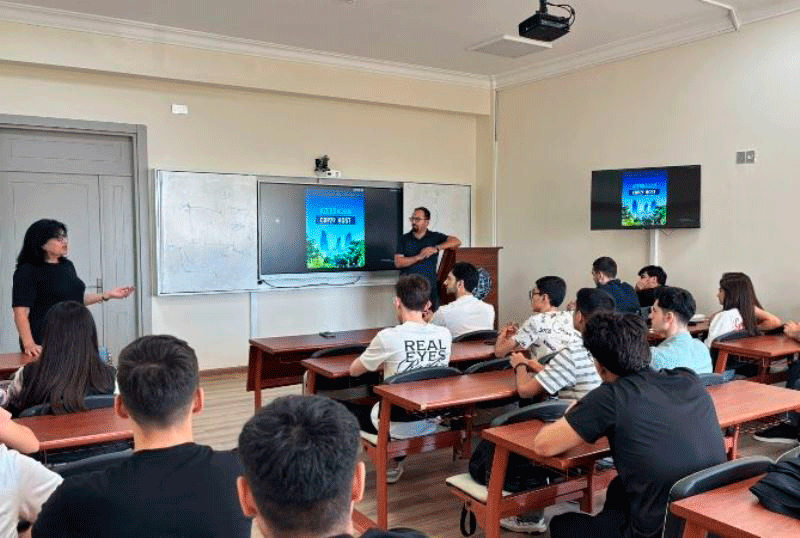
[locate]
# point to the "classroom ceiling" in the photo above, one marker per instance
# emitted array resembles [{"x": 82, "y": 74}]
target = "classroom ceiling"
[{"x": 429, "y": 33}]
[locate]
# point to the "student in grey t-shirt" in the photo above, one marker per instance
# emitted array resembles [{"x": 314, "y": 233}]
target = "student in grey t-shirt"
[{"x": 672, "y": 310}]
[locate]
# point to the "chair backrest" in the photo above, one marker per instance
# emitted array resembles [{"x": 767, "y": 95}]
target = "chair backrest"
[
  {"x": 709, "y": 380},
  {"x": 422, "y": 374},
  {"x": 708, "y": 479},
  {"x": 338, "y": 350},
  {"x": 94, "y": 463},
  {"x": 547, "y": 411},
  {"x": 793, "y": 453},
  {"x": 727, "y": 337},
  {"x": 96, "y": 401},
  {"x": 489, "y": 334},
  {"x": 644, "y": 311},
  {"x": 492, "y": 365}
]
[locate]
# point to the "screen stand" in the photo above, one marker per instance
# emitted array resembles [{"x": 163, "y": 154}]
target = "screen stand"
[{"x": 654, "y": 250}]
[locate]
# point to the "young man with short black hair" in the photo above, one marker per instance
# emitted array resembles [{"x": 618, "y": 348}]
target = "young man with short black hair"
[
  {"x": 670, "y": 316},
  {"x": 604, "y": 274},
  {"x": 467, "y": 313},
  {"x": 569, "y": 375},
  {"x": 661, "y": 426},
  {"x": 170, "y": 486},
  {"x": 547, "y": 329},
  {"x": 302, "y": 474},
  {"x": 411, "y": 345},
  {"x": 651, "y": 277}
]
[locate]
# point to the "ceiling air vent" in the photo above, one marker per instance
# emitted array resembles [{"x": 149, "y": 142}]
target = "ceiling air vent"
[{"x": 509, "y": 46}]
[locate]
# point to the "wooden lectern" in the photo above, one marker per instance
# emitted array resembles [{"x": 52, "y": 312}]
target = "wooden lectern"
[{"x": 485, "y": 257}]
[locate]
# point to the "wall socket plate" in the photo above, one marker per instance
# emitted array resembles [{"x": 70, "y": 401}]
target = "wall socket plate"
[{"x": 747, "y": 156}]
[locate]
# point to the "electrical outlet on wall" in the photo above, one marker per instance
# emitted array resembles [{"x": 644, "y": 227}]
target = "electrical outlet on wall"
[{"x": 747, "y": 156}]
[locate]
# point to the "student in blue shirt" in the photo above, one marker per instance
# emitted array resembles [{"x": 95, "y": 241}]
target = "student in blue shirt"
[{"x": 672, "y": 310}]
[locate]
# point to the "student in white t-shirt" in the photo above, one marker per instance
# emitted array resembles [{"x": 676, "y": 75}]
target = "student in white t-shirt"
[
  {"x": 467, "y": 313},
  {"x": 25, "y": 484},
  {"x": 547, "y": 330},
  {"x": 408, "y": 346},
  {"x": 741, "y": 309}
]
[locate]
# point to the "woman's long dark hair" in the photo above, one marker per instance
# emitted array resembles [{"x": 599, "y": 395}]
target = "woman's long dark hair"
[
  {"x": 740, "y": 294},
  {"x": 69, "y": 367},
  {"x": 39, "y": 233}
]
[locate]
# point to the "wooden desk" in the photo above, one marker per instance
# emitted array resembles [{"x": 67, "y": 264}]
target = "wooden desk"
[
  {"x": 733, "y": 512},
  {"x": 763, "y": 349},
  {"x": 275, "y": 362},
  {"x": 11, "y": 362},
  {"x": 518, "y": 438},
  {"x": 697, "y": 330},
  {"x": 338, "y": 367},
  {"x": 57, "y": 432}
]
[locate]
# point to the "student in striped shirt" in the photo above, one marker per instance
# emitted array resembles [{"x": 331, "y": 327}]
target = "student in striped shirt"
[{"x": 570, "y": 374}]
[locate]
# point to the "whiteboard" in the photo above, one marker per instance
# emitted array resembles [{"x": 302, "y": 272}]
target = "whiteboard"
[
  {"x": 450, "y": 207},
  {"x": 206, "y": 229}
]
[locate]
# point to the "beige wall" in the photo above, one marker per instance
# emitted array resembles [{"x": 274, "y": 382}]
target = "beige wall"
[
  {"x": 693, "y": 104},
  {"x": 260, "y": 132}
]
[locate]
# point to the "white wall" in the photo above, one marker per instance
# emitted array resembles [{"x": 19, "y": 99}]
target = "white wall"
[
  {"x": 252, "y": 130},
  {"x": 698, "y": 103}
]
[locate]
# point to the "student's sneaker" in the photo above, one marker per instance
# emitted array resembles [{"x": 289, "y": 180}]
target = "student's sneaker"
[
  {"x": 394, "y": 472},
  {"x": 527, "y": 523},
  {"x": 781, "y": 433}
]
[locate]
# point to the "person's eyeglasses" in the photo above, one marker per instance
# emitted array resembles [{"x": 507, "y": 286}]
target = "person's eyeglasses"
[
  {"x": 415, "y": 219},
  {"x": 532, "y": 293}
]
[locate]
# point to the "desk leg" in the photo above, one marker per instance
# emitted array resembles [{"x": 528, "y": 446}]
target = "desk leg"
[
  {"x": 722, "y": 361},
  {"x": 587, "y": 501},
  {"x": 466, "y": 446},
  {"x": 311, "y": 382},
  {"x": 495, "y": 494},
  {"x": 735, "y": 446},
  {"x": 382, "y": 464},
  {"x": 258, "y": 355},
  {"x": 692, "y": 530}
]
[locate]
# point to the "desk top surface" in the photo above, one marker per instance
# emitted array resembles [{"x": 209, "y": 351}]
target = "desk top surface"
[
  {"x": 313, "y": 342},
  {"x": 742, "y": 401},
  {"x": 447, "y": 392},
  {"x": 339, "y": 366},
  {"x": 10, "y": 363},
  {"x": 519, "y": 437},
  {"x": 735, "y": 512},
  {"x": 78, "y": 429},
  {"x": 773, "y": 345}
]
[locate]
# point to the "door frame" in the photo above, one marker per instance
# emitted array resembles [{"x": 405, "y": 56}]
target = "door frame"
[{"x": 142, "y": 197}]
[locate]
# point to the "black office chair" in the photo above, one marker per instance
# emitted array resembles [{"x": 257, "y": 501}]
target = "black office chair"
[
  {"x": 91, "y": 464},
  {"x": 347, "y": 388},
  {"x": 710, "y": 380},
  {"x": 745, "y": 368},
  {"x": 419, "y": 374},
  {"x": 338, "y": 350},
  {"x": 96, "y": 401},
  {"x": 793, "y": 453},
  {"x": 708, "y": 479},
  {"x": 476, "y": 335},
  {"x": 492, "y": 365},
  {"x": 548, "y": 411}
]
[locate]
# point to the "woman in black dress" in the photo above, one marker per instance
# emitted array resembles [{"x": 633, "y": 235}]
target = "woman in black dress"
[{"x": 45, "y": 277}]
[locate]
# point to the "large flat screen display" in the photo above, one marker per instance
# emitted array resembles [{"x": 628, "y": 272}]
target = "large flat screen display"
[
  {"x": 307, "y": 228},
  {"x": 636, "y": 198}
]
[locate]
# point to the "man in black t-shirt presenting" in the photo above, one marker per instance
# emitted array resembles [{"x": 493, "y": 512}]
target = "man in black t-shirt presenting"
[
  {"x": 170, "y": 486},
  {"x": 418, "y": 250},
  {"x": 661, "y": 426}
]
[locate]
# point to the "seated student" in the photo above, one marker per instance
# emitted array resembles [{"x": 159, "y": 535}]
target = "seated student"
[
  {"x": 467, "y": 313},
  {"x": 25, "y": 484},
  {"x": 604, "y": 274},
  {"x": 651, "y": 277},
  {"x": 661, "y": 426},
  {"x": 569, "y": 375},
  {"x": 547, "y": 330},
  {"x": 673, "y": 309},
  {"x": 69, "y": 367},
  {"x": 788, "y": 431},
  {"x": 411, "y": 345},
  {"x": 170, "y": 486},
  {"x": 302, "y": 473},
  {"x": 741, "y": 309}
]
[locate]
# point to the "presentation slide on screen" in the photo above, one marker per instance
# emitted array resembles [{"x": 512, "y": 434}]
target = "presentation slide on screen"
[
  {"x": 335, "y": 228},
  {"x": 644, "y": 198}
]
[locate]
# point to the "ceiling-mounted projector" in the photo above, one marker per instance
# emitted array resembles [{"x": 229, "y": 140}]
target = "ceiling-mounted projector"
[{"x": 543, "y": 26}]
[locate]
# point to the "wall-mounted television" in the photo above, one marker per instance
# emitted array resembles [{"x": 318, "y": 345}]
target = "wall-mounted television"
[
  {"x": 640, "y": 198},
  {"x": 317, "y": 228}
]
